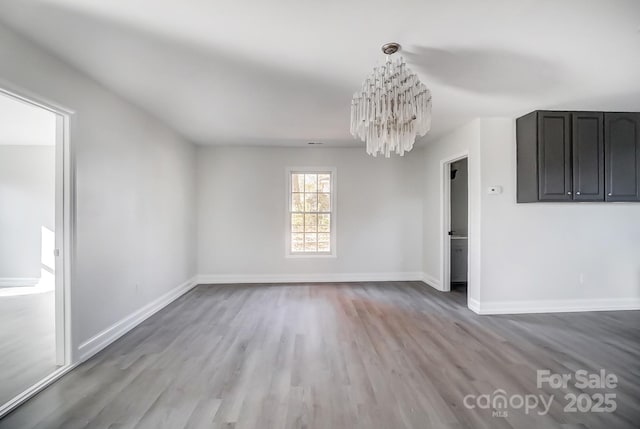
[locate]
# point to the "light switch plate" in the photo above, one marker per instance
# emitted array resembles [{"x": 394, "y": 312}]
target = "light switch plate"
[{"x": 494, "y": 190}]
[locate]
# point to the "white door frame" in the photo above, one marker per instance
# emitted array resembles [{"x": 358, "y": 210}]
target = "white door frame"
[
  {"x": 64, "y": 238},
  {"x": 445, "y": 219}
]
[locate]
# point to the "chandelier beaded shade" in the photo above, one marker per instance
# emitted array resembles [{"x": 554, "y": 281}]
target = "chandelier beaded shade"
[{"x": 392, "y": 108}]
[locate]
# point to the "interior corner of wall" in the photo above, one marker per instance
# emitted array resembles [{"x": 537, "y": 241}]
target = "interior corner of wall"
[{"x": 432, "y": 281}]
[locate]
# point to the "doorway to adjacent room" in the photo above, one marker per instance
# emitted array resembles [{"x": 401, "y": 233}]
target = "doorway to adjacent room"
[
  {"x": 34, "y": 240},
  {"x": 456, "y": 225}
]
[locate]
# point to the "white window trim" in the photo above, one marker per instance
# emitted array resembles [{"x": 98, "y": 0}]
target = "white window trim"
[{"x": 334, "y": 211}]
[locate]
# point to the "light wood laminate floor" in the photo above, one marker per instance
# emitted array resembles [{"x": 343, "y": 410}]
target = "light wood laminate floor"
[
  {"x": 355, "y": 355},
  {"x": 27, "y": 341}
]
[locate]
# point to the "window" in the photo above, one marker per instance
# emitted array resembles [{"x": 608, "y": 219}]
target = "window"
[{"x": 311, "y": 212}]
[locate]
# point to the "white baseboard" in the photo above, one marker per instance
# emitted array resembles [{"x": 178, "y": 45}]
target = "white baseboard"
[
  {"x": 118, "y": 329},
  {"x": 18, "y": 281},
  {"x": 554, "y": 306},
  {"x": 432, "y": 281},
  {"x": 473, "y": 305},
  {"x": 308, "y": 278}
]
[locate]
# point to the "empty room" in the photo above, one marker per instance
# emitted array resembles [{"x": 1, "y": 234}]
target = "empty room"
[{"x": 294, "y": 214}]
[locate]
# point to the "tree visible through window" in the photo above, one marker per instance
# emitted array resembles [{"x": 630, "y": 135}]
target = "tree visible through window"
[{"x": 310, "y": 212}]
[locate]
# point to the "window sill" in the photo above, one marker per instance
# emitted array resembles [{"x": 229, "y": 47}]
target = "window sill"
[{"x": 310, "y": 255}]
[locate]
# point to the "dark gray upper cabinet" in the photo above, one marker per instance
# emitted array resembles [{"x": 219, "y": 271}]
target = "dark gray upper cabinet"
[
  {"x": 622, "y": 156},
  {"x": 554, "y": 156},
  {"x": 578, "y": 156},
  {"x": 587, "y": 159},
  {"x": 544, "y": 157}
]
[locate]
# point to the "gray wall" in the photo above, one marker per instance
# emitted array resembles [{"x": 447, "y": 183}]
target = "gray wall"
[
  {"x": 531, "y": 257},
  {"x": 242, "y": 197},
  {"x": 27, "y": 204},
  {"x": 580, "y": 254},
  {"x": 135, "y": 190}
]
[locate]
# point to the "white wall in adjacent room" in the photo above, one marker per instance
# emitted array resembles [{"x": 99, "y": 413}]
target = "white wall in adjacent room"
[
  {"x": 27, "y": 205},
  {"x": 135, "y": 191},
  {"x": 242, "y": 224},
  {"x": 563, "y": 253}
]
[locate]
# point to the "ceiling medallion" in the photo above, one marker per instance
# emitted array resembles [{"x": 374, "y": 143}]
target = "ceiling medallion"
[{"x": 392, "y": 108}]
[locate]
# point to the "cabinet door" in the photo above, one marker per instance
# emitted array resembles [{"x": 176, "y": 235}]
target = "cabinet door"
[
  {"x": 554, "y": 156},
  {"x": 622, "y": 156},
  {"x": 588, "y": 156}
]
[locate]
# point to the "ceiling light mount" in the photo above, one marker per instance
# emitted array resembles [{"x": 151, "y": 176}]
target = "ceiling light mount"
[{"x": 391, "y": 48}]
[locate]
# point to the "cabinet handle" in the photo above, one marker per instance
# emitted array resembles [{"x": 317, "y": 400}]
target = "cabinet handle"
[
  {"x": 578, "y": 193},
  {"x": 610, "y": 194},
  {"x": 569, "y": 193}
]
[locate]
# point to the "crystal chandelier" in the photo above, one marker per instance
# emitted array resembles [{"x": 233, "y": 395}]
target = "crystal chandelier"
[{"x": 392, "y": 108}]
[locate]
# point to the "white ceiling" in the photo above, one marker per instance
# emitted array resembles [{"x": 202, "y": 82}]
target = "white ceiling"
[
  {"x": 25, "y": 124},
  {"x": 282, "y": 72}
]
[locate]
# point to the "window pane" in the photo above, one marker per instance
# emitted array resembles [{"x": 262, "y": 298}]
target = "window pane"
[
  {"x": 311, "y": 242},
  {"x": 310, "y": 217},
  {"x": 297, "y": 222},
  {"x": 297, "y": 202},
  {"x": 324, "y": 242},
  {"x": 310, "y": 222},
  {"x": 324, "y": 183},
  {"x": 297, "y": 242},
  {"x": 324, "y": 202},
  {"x": 311, "y": 182},
  {"x": 311, "y": 202},
  {"x": 324, "y": 222},
  {"x": 297, "y": 183}
]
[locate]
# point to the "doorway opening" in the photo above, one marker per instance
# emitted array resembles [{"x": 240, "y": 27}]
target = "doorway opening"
[
  {"x": 456, "y": 226},
  {"x": 35, "y": 210}
]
